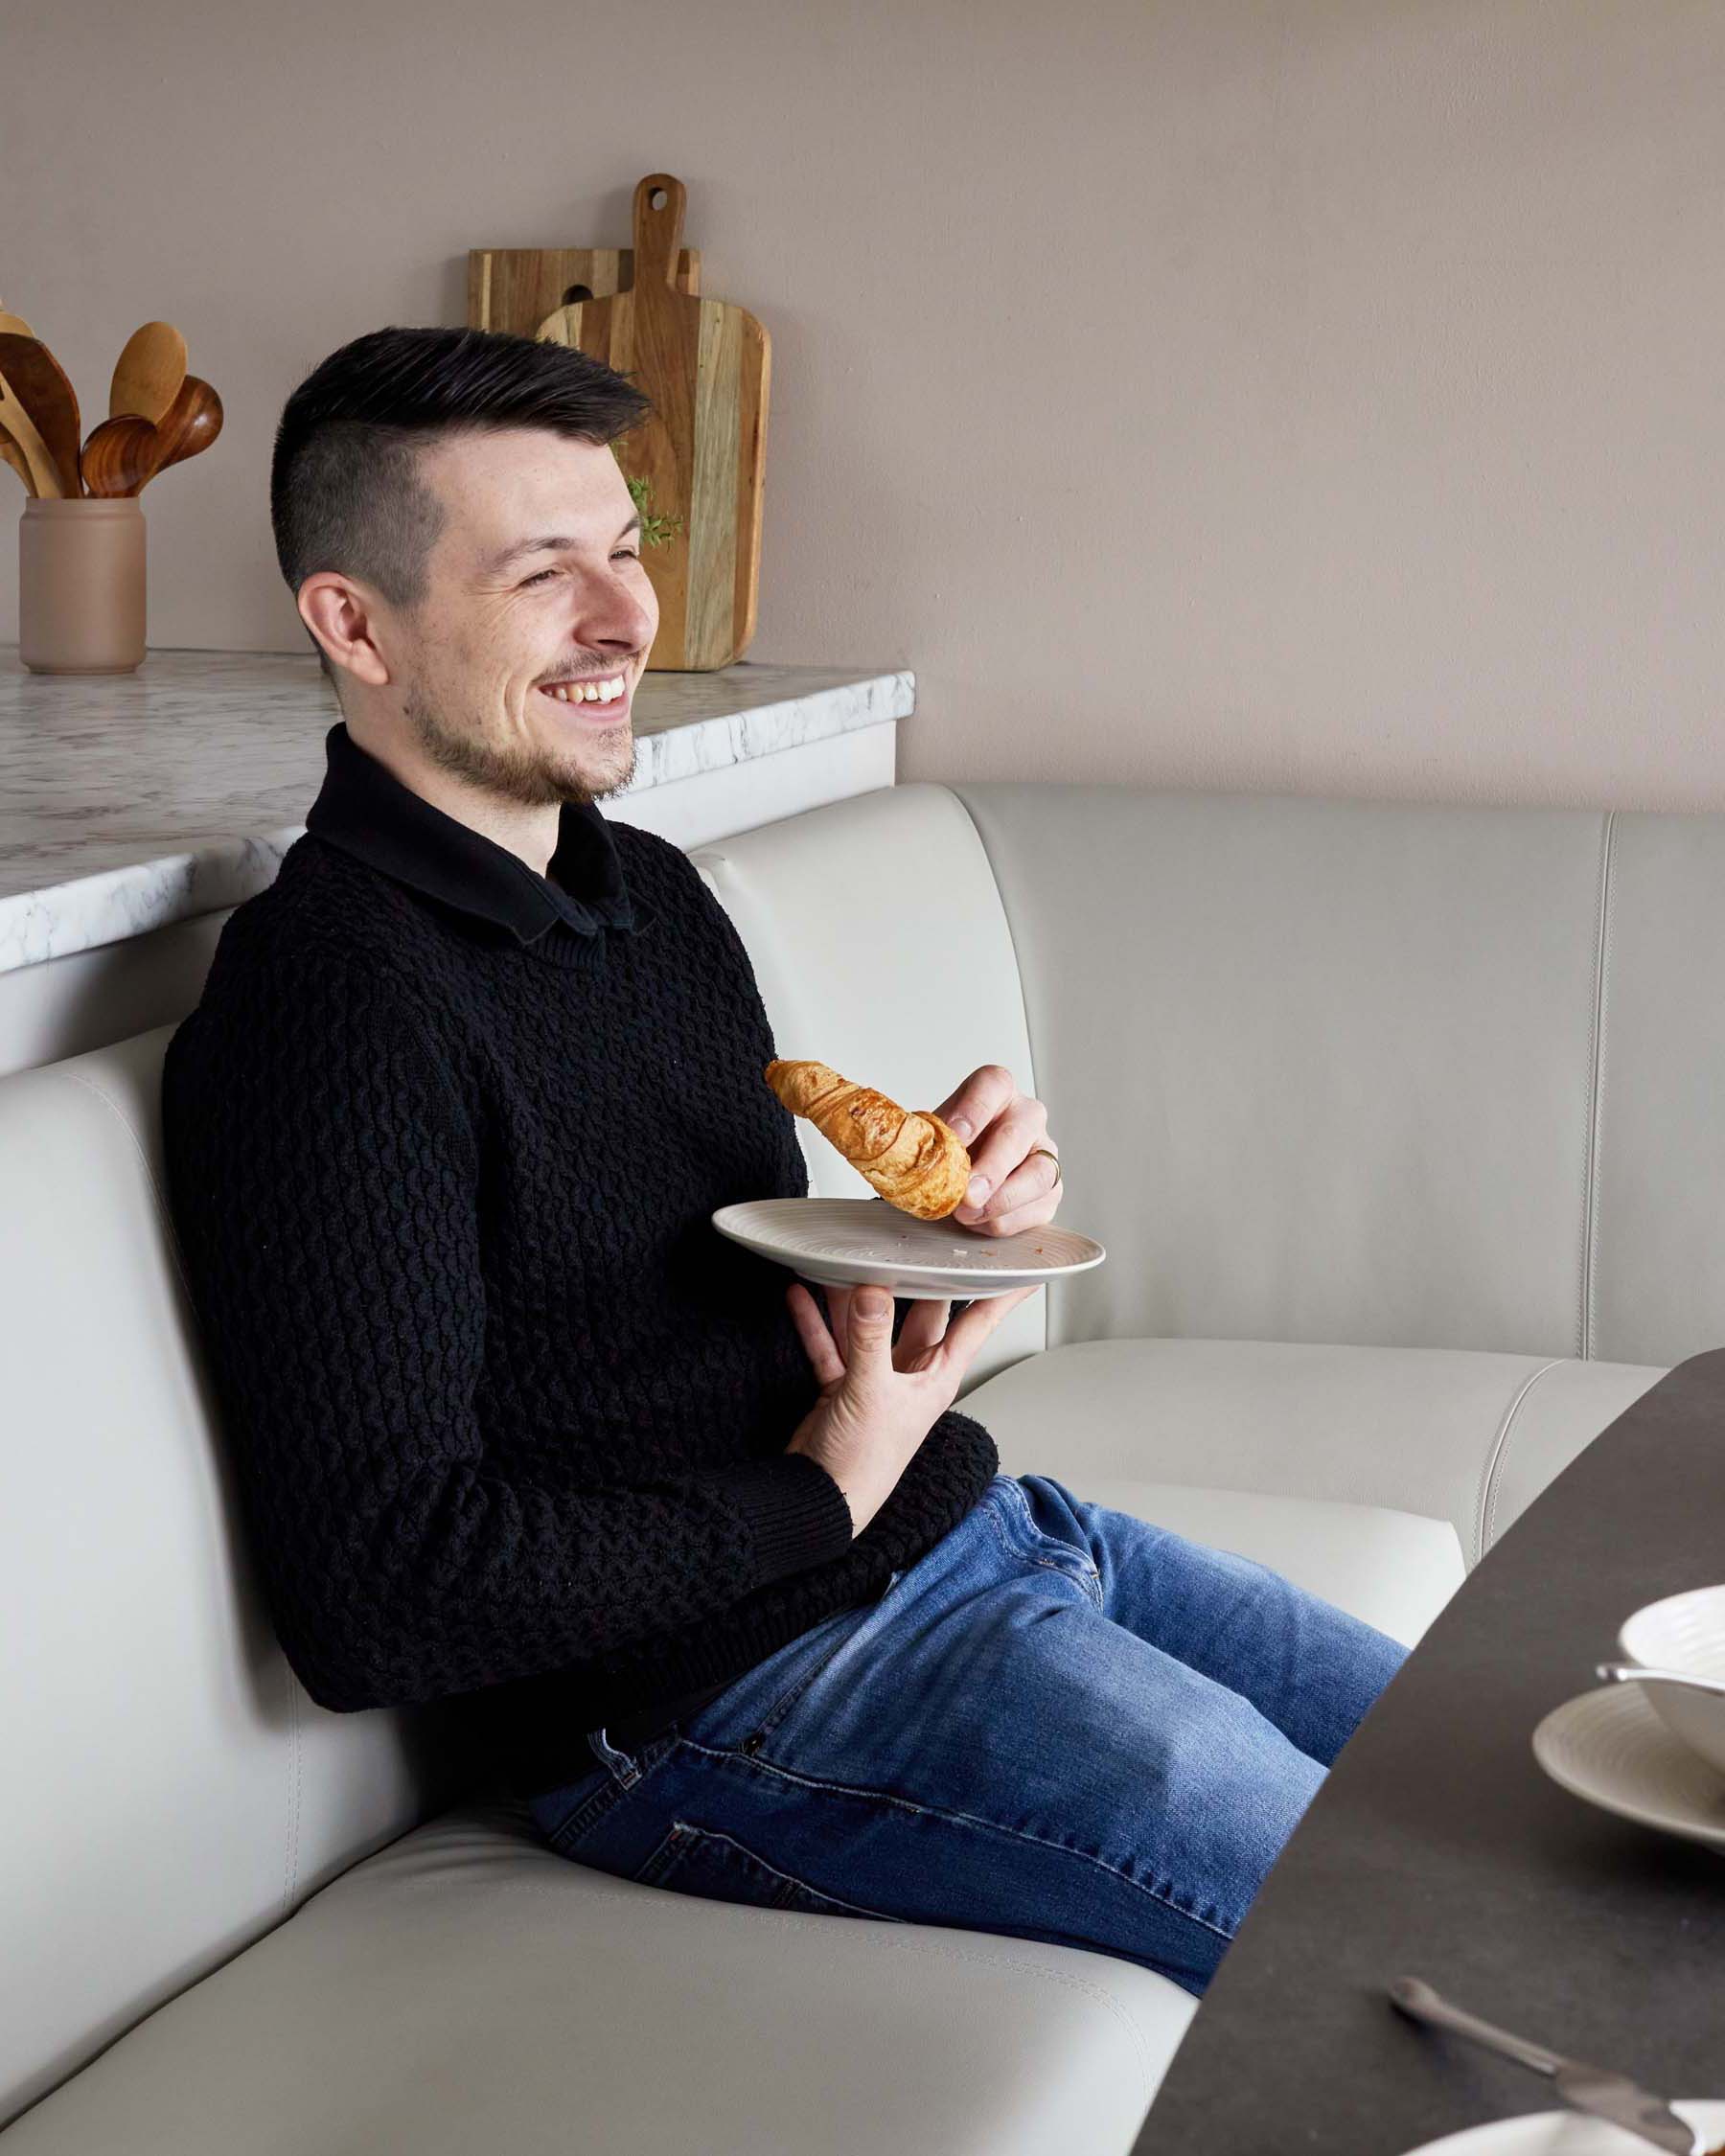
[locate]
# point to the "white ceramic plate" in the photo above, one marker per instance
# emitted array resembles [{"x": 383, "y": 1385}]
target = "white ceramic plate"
[
  {"x": 1570, "y": 2133},
  {"x": 1610, "y": 1747},
  {"x": 853, "y": 1242}
]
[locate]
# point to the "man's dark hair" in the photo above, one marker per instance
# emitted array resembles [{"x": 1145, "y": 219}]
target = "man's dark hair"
[{"x": 345, "y": 491}]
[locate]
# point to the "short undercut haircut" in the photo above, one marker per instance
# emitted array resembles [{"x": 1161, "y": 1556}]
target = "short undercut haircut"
[{"x": 345, "y": 490}]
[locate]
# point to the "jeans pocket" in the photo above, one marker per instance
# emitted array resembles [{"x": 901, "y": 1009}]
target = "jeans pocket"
[{"x": 716, "y": 1867}]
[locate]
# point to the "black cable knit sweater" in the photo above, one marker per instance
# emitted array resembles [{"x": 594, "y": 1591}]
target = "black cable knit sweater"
[{"x": 509, "y": 1414}]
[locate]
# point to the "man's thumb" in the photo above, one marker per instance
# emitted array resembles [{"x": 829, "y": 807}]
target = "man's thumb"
[{"x": 871, "y": 1305}]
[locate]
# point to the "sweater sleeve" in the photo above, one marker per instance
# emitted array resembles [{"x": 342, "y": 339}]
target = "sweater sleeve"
[{"x": 325, "y": 1189}]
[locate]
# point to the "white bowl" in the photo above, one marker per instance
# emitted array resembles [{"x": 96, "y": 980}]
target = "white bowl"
[{"x": 1684, "y": 1632}]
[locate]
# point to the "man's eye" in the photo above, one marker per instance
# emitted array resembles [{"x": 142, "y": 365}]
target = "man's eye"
[{"x": 628, "y": 554}]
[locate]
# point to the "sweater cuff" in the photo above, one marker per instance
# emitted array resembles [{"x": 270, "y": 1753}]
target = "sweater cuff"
[{"x": 796, "y": 1510}]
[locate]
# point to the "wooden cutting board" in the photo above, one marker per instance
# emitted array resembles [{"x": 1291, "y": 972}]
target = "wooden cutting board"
[
  {"x": 515, "y": 289},
  {"x": 706, "y": 364}
]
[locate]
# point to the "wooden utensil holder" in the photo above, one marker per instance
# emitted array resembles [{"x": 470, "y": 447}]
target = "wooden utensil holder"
[{"x": 81, "y": 584}]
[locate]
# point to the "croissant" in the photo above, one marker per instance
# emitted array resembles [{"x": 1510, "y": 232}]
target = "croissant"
[{"x": 915, "y": 1161}]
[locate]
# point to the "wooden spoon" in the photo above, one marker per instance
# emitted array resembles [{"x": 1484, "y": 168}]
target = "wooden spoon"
[
  {"x": 120, "y": 455},
  {"x": 11, "y": 453},
  {"x": 127, "y": 451},
  {"x": 20, "y": 445},
  {"x": 149, "y": 372},
  {"x": 190, "y": 424},
  {"x": 38, "y": 380}
]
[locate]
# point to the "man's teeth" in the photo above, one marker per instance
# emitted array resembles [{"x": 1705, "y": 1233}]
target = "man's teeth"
[{"x": 584, "y": 692}]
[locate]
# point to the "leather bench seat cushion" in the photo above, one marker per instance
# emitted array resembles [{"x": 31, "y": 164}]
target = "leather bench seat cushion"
[
  {"x": 1468, "y": 1436},
  {"x": 465, "y": 1987}
]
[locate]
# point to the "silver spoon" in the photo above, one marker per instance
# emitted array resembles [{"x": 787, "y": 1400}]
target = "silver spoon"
[
  {"x": 1624, "y": 1671},
  {"x": 1592, "y": 2089}
]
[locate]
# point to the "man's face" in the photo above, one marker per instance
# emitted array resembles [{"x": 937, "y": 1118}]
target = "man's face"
[{"x": 475, "y": 660}]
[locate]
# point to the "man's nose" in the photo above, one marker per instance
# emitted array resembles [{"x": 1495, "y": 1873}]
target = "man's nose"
[{"x": 615, "y": 617}]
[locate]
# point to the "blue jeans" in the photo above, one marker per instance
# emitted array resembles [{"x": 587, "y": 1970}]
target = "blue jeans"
[{"x": 1061, "y": 1723}]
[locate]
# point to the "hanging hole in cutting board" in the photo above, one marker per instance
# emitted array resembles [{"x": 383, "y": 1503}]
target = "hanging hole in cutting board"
[{"x": 575, "y": 294}]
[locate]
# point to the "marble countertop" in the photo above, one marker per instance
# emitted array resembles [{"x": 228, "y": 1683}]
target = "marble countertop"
[{"x": 130, "y": 800}]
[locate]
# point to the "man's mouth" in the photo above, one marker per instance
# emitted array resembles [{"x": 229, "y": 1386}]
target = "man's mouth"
[{"x": 599, "y": 696}]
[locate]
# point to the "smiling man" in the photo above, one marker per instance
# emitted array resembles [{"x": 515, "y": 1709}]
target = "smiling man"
[
  {"x": 494, "y": 669},
  {"x": 716, "y": 1579}
]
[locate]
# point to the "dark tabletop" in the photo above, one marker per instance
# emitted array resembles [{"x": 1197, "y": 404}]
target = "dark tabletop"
[{"x": 1437, "y": 1848}]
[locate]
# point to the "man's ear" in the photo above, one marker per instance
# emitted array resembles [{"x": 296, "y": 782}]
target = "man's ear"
[{"x": 339, "y": 613}]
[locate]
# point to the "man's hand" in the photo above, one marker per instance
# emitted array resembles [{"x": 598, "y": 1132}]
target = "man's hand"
[
  {"x": 1001, "y": 1129},
  {"x": 879, "y": 1400}
]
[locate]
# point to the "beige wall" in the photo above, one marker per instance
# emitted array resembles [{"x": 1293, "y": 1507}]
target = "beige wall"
[{"x": 1297, "y": 398}]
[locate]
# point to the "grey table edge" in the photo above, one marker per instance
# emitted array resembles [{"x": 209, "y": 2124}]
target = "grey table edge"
[{"x": 1437, "y": 1846}]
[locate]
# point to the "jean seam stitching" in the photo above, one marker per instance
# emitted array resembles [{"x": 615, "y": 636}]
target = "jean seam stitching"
[
  {"x": 688, "y": 1827},
  {"x": 568, "y": 1834},
  {"x": 959, "y": 1819}
]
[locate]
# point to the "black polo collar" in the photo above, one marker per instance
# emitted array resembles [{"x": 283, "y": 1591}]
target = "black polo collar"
[{"x": 363, "y": 807}]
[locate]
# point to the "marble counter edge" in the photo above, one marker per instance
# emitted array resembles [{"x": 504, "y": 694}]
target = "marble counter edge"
[{"x": 114, "y": 904}]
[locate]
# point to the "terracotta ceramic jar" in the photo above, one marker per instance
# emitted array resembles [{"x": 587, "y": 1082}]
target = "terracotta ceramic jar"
[{"x": 81, "y": 584}]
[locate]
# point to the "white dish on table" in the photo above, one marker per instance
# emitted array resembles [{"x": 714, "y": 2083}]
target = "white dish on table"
[
  {"x": 1609, "y": 1747},
  {"x": 1572, "y": 2133}
]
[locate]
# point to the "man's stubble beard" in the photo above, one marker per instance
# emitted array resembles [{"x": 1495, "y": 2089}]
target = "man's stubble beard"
[{"x": 529, "y": 781}]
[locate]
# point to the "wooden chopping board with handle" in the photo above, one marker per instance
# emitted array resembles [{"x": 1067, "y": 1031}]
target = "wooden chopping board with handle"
[
  {"x": 514, "y": 289},
  {"x": 706, "y": 364}
]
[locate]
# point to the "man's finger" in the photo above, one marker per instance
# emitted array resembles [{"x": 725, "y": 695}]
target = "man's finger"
[
  {"x": 924, "y": 1325},
  {"x": 977, "y": 1101},
  {"x": 868, "y": 1335},
  {"x": 1009, "y": 1165}
]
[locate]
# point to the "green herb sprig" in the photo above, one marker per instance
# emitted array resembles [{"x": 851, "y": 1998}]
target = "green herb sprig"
[{"x": 655, "y": 530}]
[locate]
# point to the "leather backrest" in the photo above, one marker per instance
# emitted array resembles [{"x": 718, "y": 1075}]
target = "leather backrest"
[
  {"x": 1385, "y": 1073},
  {"x": 1320, "y": 1068},
  {"x": 169, "y": 1792},
  {"x": 1654, "y": 1232}
]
